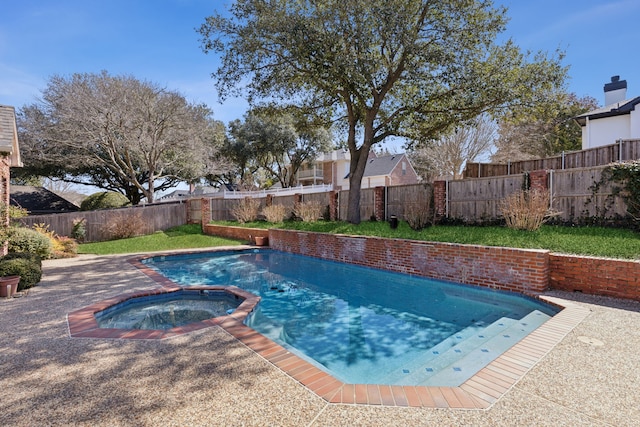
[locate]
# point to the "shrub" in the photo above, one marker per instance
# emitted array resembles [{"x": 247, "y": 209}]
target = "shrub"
[
  {"x": 29, "y": 270},
  {"x": 418, "y": 215},
  {"x": 246, "y": 210},
  {"x": 65, "y": 247},
  {"x": 275, "y": 213},
  {"x": 22, "y": 239},
  {"x": 526, "y": 210},
  {"x": 104, "y": 200},
  {"x": 124, "y": 225},
  {"x": 23, "y": 255},
  {"x": 309, "y": 211},
  {"x": 79, "y": 230},
  {"x": 62, "y": 246}
]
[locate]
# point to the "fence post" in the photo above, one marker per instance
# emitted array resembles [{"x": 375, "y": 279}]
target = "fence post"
[
  {"x": 538, "y": 180},
  {"x": 333, "y": 205},
  {"x": 620, "y": 150},
  {"x": 440, "y": 198},
  {"x": 205, "y": 208},
  {"x": 379, "y": 203}
]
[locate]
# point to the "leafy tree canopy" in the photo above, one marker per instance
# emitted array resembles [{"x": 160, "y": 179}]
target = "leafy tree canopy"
[
  {"x": 378, "y": 68},
  {"x": 117, "y": 133},
  {"x": 543, "y": 130}
]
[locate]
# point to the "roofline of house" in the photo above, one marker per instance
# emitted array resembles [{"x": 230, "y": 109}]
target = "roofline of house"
[{"x": 627, "y": 108}]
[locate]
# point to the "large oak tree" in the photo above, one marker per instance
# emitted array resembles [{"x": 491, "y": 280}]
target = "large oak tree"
[
  {"x": 117, "y": 133},
  {"x": 408, "y": 68}
]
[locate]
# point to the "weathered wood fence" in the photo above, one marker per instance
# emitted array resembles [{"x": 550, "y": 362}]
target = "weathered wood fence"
[
  {"x": 472, "y": 200},
  {"x": 624, "y": 149},
  {"x": 572, "y": 195},
  {"x": 155, "y": 217}
]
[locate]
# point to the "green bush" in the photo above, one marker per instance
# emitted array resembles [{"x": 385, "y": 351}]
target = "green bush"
[
  {"x": 29, "y": 270},
  {"x": 23, "y": 255},
  {"x": 22, "y": 239},
  {"x": 104, "y": 200}
]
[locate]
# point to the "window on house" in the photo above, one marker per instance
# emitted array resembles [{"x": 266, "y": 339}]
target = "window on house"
[{"x": 404, "y": 168}]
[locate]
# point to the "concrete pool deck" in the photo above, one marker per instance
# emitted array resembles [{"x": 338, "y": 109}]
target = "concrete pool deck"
[{"x": 207, "y": 377}]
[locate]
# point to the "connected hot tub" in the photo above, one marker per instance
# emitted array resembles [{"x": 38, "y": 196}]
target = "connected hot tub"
[{"x": 168, "y": 310}]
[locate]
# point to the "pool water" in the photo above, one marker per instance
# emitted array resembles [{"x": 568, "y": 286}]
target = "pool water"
[
  {"x": 367, "y": 326},
  {"x": 166, "y": 311}
]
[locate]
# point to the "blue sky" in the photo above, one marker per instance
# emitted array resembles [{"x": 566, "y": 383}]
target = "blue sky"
[{"x": 156, "y": 41}]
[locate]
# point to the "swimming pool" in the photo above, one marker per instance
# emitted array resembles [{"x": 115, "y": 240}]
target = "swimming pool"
[
  {"x": 168, "y": 310},
  {"x": 363, "y": 325}
]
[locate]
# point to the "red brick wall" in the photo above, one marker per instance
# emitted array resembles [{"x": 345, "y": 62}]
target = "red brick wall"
[
  {"x": 5, "y": 176},
  {"x": 239, "y": 233},
  {"x": 440, "y": 198},
  {"x": 539, "y": 180},
  {"x": 598, "y": 276},
  {"x": 524, "y": 271},
  {"x": 379, "y": 203}
]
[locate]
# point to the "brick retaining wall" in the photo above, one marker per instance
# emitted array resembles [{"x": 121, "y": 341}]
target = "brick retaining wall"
[
  {"x": 598, "y": 276},
  {"x": 518, "y": 270},
  {"x": 524, "y": 271},
  {"x": 239, "y": 233}
]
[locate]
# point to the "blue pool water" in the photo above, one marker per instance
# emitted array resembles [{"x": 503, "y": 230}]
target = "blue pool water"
[
  {"x": 364, "y": 325},
  {"x": 166, "y": 311}
]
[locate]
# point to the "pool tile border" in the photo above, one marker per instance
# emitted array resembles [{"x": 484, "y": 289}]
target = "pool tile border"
[
  {"x": 83, "y": 324},
  {"x": 480, "y": 391}
]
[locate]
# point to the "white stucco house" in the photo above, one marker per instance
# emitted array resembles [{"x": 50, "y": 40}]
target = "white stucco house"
[{"x": 618, "y": 119}]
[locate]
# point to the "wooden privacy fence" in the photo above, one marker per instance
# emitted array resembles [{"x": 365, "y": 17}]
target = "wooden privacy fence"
[
  {"x": 477, "y": 200},
  {"x": 472, "y": 200},
  {"x": 571, "y": 194},
  {"x": 154, "y": 217},
  {"x": 221, "y": 209},
  {"x": 624, "y": 149}
]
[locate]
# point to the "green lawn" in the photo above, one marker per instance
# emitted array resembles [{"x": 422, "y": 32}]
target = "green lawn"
[
  {"x": 596, "y": 241},
  {"x": 182, "y": 237}
]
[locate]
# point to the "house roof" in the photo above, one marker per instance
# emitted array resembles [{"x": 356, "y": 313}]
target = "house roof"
[
  {"x": 39, "y": 200},
  {"x": 383, "y": 165},
  {"x": 9, "y": 134},
  {"x": 617, "y": 109}
]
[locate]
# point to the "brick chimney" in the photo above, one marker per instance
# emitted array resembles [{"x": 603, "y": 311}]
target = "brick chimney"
[{"x": 615, "y": 91}]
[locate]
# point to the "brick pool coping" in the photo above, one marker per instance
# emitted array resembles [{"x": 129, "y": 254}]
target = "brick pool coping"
[
  {"x": 479, "y": 392},
  {"x": 83, "y": 324}
]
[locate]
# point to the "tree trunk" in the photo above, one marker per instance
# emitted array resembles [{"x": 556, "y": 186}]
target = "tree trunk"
[{"x": 356, "y": 172}]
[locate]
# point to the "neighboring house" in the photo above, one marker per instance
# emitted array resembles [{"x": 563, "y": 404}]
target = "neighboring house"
[
  {"x": 39, "y": 200},
  {"x": 618, "y": 119},
  {"x": 192, "y": 193},
  {"x": 333, "y": 168},
  {"x": 328, "y": 168}
]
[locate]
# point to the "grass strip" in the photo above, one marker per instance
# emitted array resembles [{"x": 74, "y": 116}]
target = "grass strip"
[
  {"x": 593, "y": 241},
  {"x": 182, "y": 237}
]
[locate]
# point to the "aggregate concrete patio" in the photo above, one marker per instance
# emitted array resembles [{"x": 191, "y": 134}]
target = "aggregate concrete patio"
[{"x": 207, "y": 377}]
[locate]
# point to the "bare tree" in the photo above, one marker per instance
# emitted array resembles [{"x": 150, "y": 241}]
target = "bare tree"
[
  {"x": 448, "y": 155},
  {"x": 119, "y": 134},
  {"x": 542, "y": 130}
]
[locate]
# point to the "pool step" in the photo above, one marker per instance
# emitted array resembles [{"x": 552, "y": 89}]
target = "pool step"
[
  {"x": 414, "y": 371},
  {"x": 459, "y": 362},
  {"x": 468, "y": 363}
]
